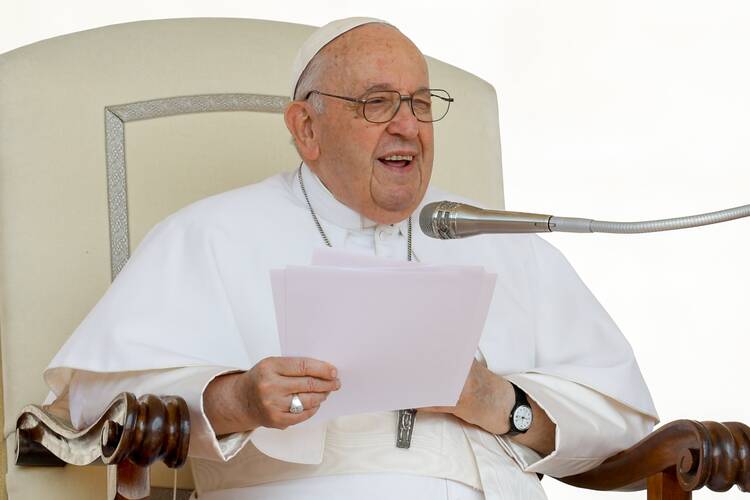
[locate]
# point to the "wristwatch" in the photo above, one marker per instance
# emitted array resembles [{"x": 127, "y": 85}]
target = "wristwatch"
[{"x": 521, "y": 415}]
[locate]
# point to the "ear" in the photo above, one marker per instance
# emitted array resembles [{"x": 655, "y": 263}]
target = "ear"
[{"x": 299, "y": 121}]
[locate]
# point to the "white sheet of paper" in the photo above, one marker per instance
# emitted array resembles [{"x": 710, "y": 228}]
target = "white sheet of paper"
[{"x": 400, "y": 336}]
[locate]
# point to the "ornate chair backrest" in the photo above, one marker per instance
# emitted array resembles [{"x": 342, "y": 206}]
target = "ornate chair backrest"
[{"x": 105, "y": 132}]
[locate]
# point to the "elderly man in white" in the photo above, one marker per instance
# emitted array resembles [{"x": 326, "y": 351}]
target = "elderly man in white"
[{"x": 554, "y": 389}]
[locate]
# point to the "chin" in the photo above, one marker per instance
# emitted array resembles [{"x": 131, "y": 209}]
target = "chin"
[{"x": 391, "y": 213}]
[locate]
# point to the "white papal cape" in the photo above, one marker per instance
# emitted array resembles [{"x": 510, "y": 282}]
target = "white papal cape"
[{"x": 197, "y": 293}]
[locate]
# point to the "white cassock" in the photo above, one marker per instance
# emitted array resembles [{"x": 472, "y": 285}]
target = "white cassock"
[{"x": 195, "y": 301}]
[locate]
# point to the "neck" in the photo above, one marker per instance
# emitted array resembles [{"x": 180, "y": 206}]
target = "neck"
[{"x": 317, "y": 221}]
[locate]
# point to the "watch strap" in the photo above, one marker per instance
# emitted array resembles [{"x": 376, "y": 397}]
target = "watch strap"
[{"x": 521, "y": 400}]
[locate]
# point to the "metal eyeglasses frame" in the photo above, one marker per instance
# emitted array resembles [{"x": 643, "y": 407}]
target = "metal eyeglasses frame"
[{"x": 364, "y": 101}]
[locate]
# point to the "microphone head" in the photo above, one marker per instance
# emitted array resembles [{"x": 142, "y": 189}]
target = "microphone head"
[
  {"x": 425, "y": 219},
  {"x": 433, "y": 219}
]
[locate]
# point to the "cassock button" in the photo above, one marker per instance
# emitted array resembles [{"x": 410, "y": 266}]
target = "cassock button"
[{"x": 385, "y": 232}]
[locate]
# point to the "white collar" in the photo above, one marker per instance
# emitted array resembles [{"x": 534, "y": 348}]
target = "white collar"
[{"x": 328, "y": 208}]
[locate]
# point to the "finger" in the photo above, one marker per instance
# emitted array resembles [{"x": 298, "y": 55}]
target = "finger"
[
  {"x": 287, "y": 419},
  {"x": 301, "y": 367},
  {"x": 296, "y": 385},
  {"x": 438, "y": 409},
  {"x": 309, "y": 400}
]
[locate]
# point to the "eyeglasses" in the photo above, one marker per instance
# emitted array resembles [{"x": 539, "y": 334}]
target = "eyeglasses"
[{"x": 427, "y": 105}]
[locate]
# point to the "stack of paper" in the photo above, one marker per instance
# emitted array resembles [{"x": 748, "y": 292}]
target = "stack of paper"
[{"x": 401, "y": 334}]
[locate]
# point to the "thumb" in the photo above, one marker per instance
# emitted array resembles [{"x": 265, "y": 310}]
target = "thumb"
[{"x": 438, "y": 409}]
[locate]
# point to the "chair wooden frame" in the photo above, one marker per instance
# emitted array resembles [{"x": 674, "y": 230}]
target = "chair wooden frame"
[{"x": 131, "y": 434}]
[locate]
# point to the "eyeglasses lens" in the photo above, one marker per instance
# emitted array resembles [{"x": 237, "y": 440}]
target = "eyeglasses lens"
[{"x": 428, "y": 105}]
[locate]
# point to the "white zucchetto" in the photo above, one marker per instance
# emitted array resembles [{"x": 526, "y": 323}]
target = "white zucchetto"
[{"x": 319, "y": 39}]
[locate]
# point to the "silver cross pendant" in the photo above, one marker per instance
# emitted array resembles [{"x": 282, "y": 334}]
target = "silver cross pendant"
[{"x": 405, "y": 427}]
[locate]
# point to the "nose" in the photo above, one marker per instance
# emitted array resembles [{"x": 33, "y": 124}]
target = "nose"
[{"x": 404, "y": 123}]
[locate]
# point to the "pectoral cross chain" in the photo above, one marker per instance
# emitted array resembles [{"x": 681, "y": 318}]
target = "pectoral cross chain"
[{"x": 405, "y": 427}]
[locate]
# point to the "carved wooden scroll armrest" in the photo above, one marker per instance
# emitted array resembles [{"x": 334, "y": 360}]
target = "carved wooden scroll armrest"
[
  {"x": 129, "y": 436},
  {"x": 678, "y": 458}
]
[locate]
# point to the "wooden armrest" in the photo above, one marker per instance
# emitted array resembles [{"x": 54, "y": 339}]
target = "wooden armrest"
[
  {"x": 683, "y": 454},
  {"x": 130, "y": 435}
]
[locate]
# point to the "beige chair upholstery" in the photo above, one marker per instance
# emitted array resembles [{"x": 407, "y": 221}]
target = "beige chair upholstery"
[{"x": 105, "y": 132}]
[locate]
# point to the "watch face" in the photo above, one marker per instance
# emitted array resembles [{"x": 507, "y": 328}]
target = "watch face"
[{"x": 522, "y": 418}]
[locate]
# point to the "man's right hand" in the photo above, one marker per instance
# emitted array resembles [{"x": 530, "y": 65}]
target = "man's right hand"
[
  {"x": 268, "y": 387},
  {"x": 261, "y": 396}
]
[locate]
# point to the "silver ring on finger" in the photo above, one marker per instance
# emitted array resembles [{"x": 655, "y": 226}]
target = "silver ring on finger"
[{"x": 296, "y": 405}]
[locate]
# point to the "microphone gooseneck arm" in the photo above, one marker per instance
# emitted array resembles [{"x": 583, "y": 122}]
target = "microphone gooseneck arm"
[{"x": 450, "y": 220}]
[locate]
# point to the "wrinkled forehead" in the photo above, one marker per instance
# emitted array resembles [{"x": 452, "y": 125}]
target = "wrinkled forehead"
[
  {"x": 368, "y": 35},
  {"x": 374, "y": 55},
  {"x": 318, "y": 39}
]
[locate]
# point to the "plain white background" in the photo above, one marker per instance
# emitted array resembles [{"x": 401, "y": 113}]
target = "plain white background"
[{"x": 609, "y": 110}]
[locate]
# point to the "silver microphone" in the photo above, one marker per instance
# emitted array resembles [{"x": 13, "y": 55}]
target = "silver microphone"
[{"x": 447, "y": 220}]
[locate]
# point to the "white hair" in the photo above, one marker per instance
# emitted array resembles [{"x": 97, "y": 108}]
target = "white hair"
[{"x": 311, "y": 79}]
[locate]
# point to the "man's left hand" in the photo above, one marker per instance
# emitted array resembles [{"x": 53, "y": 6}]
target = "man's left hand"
[{"x": 485, "y": 401}]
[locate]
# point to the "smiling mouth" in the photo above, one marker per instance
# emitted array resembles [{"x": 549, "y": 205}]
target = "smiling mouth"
[{"x": 397, "y": 161}]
